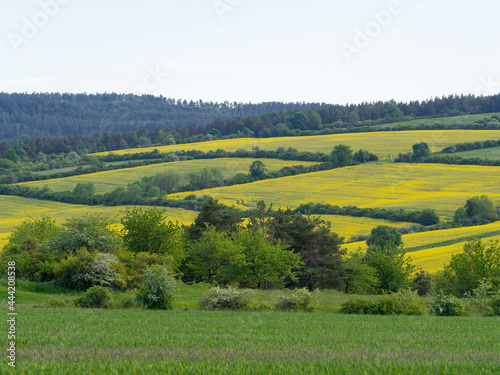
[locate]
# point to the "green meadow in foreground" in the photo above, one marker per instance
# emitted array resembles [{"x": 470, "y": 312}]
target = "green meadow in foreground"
[{"x": 136, "y": 341}]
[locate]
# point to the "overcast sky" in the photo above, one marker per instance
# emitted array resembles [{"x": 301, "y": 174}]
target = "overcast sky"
[{"x": 334, "y": 51}]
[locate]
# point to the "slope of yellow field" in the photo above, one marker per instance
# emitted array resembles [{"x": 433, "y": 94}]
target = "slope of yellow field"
[
  {"x": 109, "y": 180},
  {"x": 348, "y": 226},
  {"x": 380, "y": 143},
  {"x": 382, "y": 184},
  {"x": 434, "y": 258},
  {"x": 13, "y": 210}
]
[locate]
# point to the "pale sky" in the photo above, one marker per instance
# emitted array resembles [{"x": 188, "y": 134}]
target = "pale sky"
[{"x": 335, "y": 51}]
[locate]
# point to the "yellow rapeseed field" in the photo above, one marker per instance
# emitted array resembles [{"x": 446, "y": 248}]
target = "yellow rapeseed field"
[
  {"x": 434, "y": 258},
  {"x": 380, "y": 143},
  {"x": 13, "y": 211},
  {"x": 109, "y": 180},
  {"x": 348, "y": 226},
  {"x": 391, "y": 185}
]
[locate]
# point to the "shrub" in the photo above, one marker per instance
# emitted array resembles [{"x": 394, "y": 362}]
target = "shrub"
[
  {"x": 159, "y": 289},
  {"x": 405, "y": 302},
  {"x": 358, "y": 305},
  {"x": 86, "y": 269},
  {"x": 446, "y": 305},
  {"x": 495, "y": 304},
  {"x": 225, "y": 298},
  {"x": 301, "y": 299},
  {"x": 95, "y": 297},
  {"x": 57, "y": 301}
]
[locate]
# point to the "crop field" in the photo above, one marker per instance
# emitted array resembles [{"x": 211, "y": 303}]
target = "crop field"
[
  {"x": 348, "y": 226},
  {"x": 77, "y": 341},
  {"x": 434, "y": 249},
  {"x": 492, "y": 153},
  {"x": 13, "y": 210},
  {"x": 380, "y": 184},
  {"x": 108, "y": 180},
  {"x": 380, "y": 143}
]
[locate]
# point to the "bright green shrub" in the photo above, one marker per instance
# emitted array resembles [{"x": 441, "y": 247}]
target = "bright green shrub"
[
  {"x": 446, "y": 305},
  {"x": 96, "y": 297},
  {"x": 301, "y": 299},
  {"x": 225, "y": 298},
  {"x": 159, "y": 289},
  {"x": 358, "y": 305}
]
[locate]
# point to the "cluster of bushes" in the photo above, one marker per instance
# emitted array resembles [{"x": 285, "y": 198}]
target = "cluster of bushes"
[
  {"x": 453, "y": 159},
  {"x": 423, "y": 217},
  {"x": 468, "y": 146},
  {"x": 405, "y": 302},
  {"x": 477, "y": 210}
]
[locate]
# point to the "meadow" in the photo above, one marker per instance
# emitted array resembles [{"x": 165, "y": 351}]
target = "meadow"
[
  {"x": 492, "y": 153},
  {"x": 109, "y": 180},
  {"x": 380, "y": 143},
  {"x": 380, "y": 184},
  {"x": 78, "y": 341}
]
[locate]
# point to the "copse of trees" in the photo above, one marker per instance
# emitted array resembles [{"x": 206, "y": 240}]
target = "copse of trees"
[{"x": 477, "y": 210}]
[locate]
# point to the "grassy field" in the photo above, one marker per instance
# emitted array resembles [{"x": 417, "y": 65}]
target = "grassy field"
[
  {"x": 380, "y": 143},
  {"x": 13, "y": 210},
  {"x": 77, "y": 341},
  {"x": 109, "y": 180},
  {"x": 492, "y": 153},
  {"x": 381, "y": 184}
]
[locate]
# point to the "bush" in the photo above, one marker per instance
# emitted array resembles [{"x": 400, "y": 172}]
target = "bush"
[
  {"x": 95, "y": 297},
  {"x": 301, "y": 299},
  {"x": 405, "y": 303},
  {"x": 225, "y": 298},
  {"x": 159, "y": 289},
  {"x": 495, "y": 304},
  {"x": 446, "y": 305},
  {"x": 57, "y": 301},
  {"x": 358, "y": 305}
]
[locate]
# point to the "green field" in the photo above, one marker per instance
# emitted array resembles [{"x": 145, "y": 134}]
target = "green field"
[
  {"x": 109, "y": 180},
  {"x": 380, "y": 143},
  {"x": 78, "y": 341},
  {"x": 492, "y": 153}
]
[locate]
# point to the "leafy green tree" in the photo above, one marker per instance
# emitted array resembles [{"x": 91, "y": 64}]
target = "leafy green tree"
[
  {"x": 394, "y": 269},
  {"x": 477, "y": 262},
  {"x": 213, "y": 215},
  {"x": 318, "y": 247},
  {"x": 84, "y": 190},
  {"x": 266, "y": 264},
  {"x": 384, "y": 237},
  {"x": 341, "y": 156},
  {"x": 148, "y": 231},
  {"x": 393, "y": 112},
  {"x": 257, "y": 169},
  {"x": 360, "y": 278},
  {"x": 215, "y": 258},
  {"x": 89, "y": 231},
  {"x": 481, "y": 208},
  {"x": 427, "y": 216},
  {"x": 420, "y": 151},
  {"x": 11, "y": 155}
]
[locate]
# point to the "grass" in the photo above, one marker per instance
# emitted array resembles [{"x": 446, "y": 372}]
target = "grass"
[
  {"x": 108, "y": 180},
  {"x": 380, "y": 143},
  {"x": 381, "y": 184},
  {"x": 78, "y": 341},
  {"x": 492, "y": 153}
]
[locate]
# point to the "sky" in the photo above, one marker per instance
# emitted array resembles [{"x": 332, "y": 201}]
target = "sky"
[{"x": 331, "y": 51}]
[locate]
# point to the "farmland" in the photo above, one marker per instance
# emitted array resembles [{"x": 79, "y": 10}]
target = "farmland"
[
  {"x": 380, "y": 184},
  {"x": 492, "y": 153},
  {"x": 55, "y": 341},
  {"x": 380, "y": 143},
  {"x": 106, "y": 181}
]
